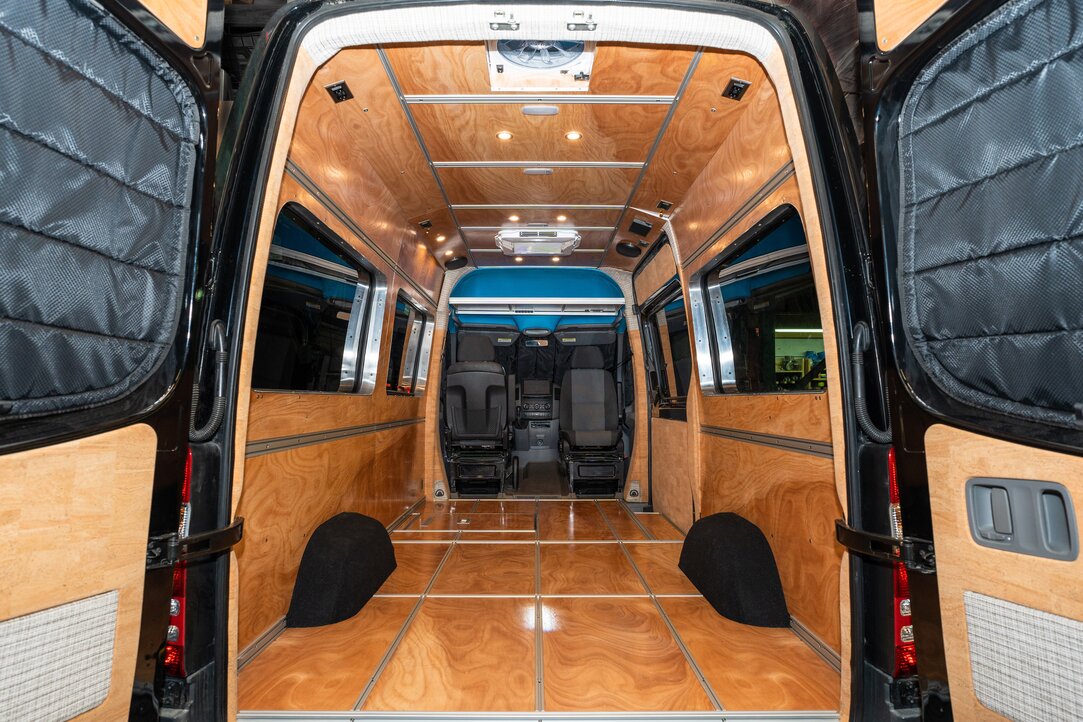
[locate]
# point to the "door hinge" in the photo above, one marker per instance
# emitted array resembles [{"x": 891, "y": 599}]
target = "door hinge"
[
  {"x": 166, "y": 550},
  {"x": 917, "y": 555}
]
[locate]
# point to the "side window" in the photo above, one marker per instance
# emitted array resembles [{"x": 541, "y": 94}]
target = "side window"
[
  {"x": 762, "y": 315},
  {"x": 668, "y": 352},
  {"x": 320, "y": 305},
  {"x": 411, "y": 341}
]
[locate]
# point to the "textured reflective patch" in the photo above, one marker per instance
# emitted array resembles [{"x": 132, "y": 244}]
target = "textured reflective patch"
[
  {"x": 1026, "y": 664},
  {"x": 56, "y": 663}
]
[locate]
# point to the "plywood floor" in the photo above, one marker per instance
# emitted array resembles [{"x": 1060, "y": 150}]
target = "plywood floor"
[{"x": 528, "y": 605}]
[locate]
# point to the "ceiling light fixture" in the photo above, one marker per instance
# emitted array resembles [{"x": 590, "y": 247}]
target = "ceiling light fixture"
[
  {"x": 441, "y": 239},
  {"x": 556, "y": 259},
  {"x": 513, "y": 219},
  {"x": 449, "y": 252},
  {"x": 573, "y": 135},
  {"x": 562, "y": 218},
  {"x": 518, "y": 259},
  {"x": 504, "y": 135}
]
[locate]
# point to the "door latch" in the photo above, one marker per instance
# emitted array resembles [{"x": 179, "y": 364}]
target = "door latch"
[
  {"x": 917, "y": 555},
  {"x": 166, "y": 550}
]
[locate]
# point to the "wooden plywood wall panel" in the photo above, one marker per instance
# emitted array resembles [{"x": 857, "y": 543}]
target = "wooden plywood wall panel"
[
  {"x": 587, "y": 186},
  {"x": 289, "y": 493},
  {"x": 798, "y": 416},
  {"x": 791, "y": 497},
  {"x": 753, "y": 152},
  {"x": 611, "y": 133},
  {"x": 702, "y": 122},
  {"x": 462, "y": 68},
  {"x": 953, "y": 456},
  {"x": 84, "y": 533},
  {"x": 186, "y": 18},
  {"x": 658, "y": 271},
  {"x": 673, "y": 470},
  {"x": 896, "y": 20}
]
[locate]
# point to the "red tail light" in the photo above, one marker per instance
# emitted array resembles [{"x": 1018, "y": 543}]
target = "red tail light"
[
  {"x": 174, "y": 645},
  {"x": 906, "y": 661}
]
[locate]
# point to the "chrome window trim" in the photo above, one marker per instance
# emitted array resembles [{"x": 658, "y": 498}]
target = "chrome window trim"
[
  {"x": 351, "y": 350},
  {"x": 373, "y": 333},
  {"x": 421, "y": 379}
]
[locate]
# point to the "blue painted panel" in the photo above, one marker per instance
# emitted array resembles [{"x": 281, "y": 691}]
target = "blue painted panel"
[{"x": 537, "y": 283}]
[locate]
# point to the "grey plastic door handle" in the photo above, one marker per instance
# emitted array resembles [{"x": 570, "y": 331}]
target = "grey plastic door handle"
[{"x": 1023, "y": 516}]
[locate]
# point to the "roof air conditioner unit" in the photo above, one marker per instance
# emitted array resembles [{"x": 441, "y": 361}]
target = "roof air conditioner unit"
[{"x": 531, "y": 242}]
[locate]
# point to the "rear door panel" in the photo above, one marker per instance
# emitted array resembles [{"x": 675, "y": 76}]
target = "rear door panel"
[{"x": 106, "y": 136}]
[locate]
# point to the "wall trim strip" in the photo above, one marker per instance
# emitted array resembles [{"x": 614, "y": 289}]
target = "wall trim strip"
[
  {"x": 804, "y": 446},
  {"x": 282, "y": 443}
]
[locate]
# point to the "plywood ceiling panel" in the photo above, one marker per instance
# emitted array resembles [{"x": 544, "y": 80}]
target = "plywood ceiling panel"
[
  {"x": 621, "y": 133},
  {"x": 573, "y": 217},
  {"x": 374, "y": 122},
  {"x": 589, "y": 186},
  {"x": 462, "y": 68},
  {"x": 702, "y": 121}
]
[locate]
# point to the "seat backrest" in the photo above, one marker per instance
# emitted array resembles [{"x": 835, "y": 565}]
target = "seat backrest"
[
  {"x": 588, "y": 401},
  {"x": 476, "y": 396}
]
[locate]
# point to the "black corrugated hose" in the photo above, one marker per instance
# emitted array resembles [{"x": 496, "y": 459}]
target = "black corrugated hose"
[
  {"x": 218, "y": 410},
  {"x": 861, "y": 409}
]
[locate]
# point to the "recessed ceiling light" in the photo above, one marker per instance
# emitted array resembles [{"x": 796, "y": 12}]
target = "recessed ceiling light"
[
  {"x": 556, "y": 259},
  {"x": 518, "y": 259},
  {"x": 513, "y": 219},
  {"x": 573, "y": 135},
  {"x": 562, "y": 218},
  {"x": 504, "y": 135},
  {"x": 441, "y": 239},
  {"x": 449, "y": 252}
]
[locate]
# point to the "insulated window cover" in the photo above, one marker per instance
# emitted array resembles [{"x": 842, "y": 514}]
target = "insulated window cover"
[
  {"x": 97, "y": 155},
  {"x": 991, "y": 213}
]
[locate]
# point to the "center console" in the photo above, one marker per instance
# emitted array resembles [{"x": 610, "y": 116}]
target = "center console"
[{"x": 536, "y": 401}]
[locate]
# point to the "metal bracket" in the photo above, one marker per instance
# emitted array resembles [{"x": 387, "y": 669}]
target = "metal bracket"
[
  {"x": 166, "y": 550},
  {"x": 917, "y": 555}
]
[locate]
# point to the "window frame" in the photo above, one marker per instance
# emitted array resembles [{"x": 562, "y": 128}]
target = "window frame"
[
  {"x": 713, "y": 341},
  {"x": 361, "y": 350},
  {"x": 663, "y": 405},
  {"x": 417, "y": 347}
]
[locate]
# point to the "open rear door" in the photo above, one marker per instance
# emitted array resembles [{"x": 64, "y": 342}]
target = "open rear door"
[
  {"x": 979, "y": 161},
  {"x": 105, "y": 133}
]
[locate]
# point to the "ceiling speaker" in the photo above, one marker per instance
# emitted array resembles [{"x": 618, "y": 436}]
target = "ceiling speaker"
[
  {"x": 455, "y": 263},
  {"x": 629, "y": 249}
]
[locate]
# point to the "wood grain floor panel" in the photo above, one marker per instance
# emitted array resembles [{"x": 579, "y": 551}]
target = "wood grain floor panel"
[
  {"x": 504, "y": 506},
  {"x": 416, "y": 563},
  {"x": 614, "y": 655},
  {"x": 587, "y": 569},
  {"x": 659, "y": 526},
  {"x": 462, "y": 655},
  {"x": 752, "y": 668},
  {"x": 323, "y": 668},
  {"x": 658, "y": 565},
  {"x": 474, "y": 522},
  {"x": 571, "y": 520},
  {"x": 621, "y": 521},
  {"x": 488, "y": 569}
]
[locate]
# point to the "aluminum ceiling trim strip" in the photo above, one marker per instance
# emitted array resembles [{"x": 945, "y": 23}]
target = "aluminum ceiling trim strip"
[
  {"x": 538, "y": 228},
  {"x": 555, "y": 99},
  {"x": 537, "y": 206},
  {"x": 536, "y": 164}
]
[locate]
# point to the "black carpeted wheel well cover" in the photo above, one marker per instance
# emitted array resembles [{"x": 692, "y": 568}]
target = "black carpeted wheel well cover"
[
  {"x": 729, "y": 560},
  {"x": 347, "y": 559}
]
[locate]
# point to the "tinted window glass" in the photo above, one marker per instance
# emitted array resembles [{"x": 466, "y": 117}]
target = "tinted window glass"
[
  {"x": 314, "y": 301},
  {"x": 406, "y": 345},
  {"x": 772, "y": 314},
  {"x": 668, "y": 346}
]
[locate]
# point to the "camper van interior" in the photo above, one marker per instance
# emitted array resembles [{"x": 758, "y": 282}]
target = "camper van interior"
[{"x": 667, "y": 359}]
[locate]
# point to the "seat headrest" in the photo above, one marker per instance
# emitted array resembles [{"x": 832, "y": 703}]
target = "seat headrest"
[
  {"x": 475, "y": 348},
  {"x": 587, "y": 357}
]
